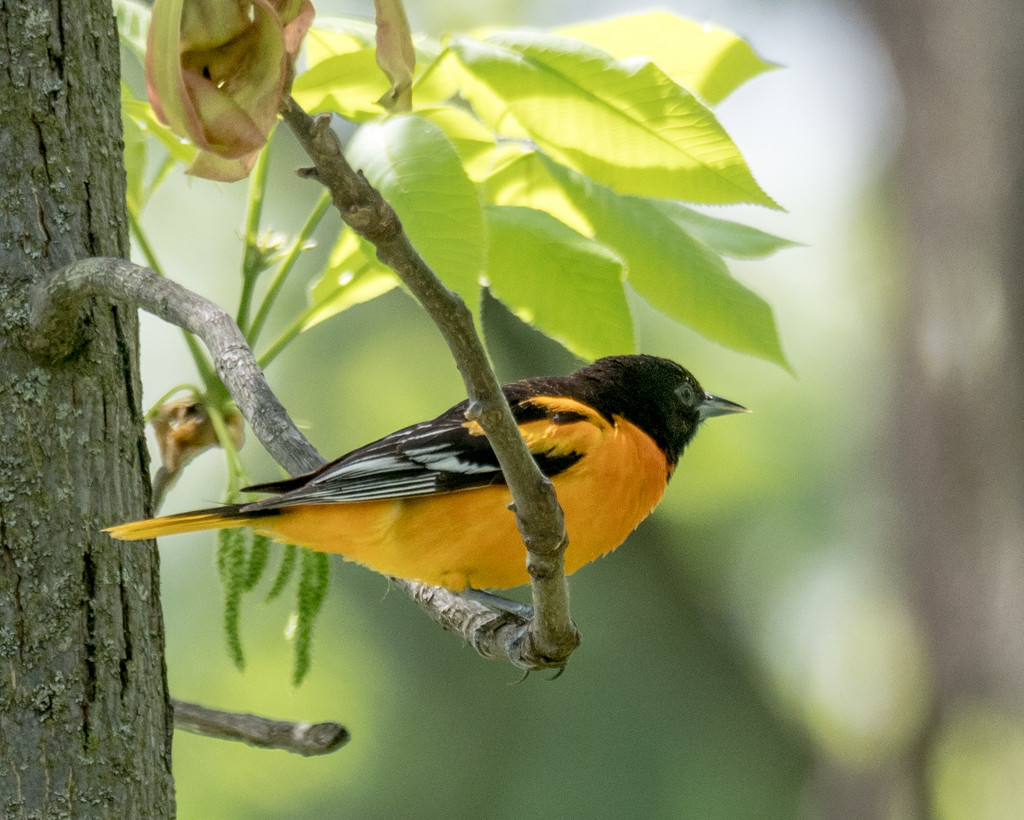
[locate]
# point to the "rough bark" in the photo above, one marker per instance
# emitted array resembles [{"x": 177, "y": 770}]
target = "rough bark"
[{"x": 85, "y": 726}]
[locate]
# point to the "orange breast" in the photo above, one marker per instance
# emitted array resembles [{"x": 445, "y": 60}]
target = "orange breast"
[{"x": 469, "y": 538}]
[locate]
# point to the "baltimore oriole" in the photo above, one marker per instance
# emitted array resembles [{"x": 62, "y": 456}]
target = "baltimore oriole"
[{"x": 429, "y": 503}]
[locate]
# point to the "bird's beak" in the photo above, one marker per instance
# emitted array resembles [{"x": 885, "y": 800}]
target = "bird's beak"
[{"x": 716, "y": 406}]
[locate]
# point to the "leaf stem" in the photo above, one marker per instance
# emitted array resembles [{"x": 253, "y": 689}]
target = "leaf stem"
[
  {"x": 298, "y": 245},
  {"x": 252, "y": 258}
]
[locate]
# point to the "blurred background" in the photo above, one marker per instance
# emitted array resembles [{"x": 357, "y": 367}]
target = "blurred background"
[{"x": 823, "y": 618}]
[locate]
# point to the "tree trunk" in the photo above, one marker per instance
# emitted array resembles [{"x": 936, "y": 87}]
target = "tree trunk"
[
  {"x": 85, "y": 723},
  {"x": 958, "y": 415}
]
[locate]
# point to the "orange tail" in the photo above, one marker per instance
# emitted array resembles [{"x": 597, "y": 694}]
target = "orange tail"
[{"x": 215, "y": 518}]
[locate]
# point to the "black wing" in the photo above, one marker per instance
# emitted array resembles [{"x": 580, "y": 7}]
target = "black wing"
[{"x": 442, "y": 455}]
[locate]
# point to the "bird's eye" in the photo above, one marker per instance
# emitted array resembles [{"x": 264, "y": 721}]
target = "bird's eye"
[{"x": 687, "y": 394}]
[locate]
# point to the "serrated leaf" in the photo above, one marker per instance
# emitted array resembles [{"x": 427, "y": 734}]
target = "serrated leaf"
[
  {"x": 672, "y": 270},
  {"x": 628, "y": 126},
  {"x": 710, "y": 61},
  {"x": 724, "y": 236},
  {"x": 562, "y": 283},
  {"x": 418, "y": 171}
]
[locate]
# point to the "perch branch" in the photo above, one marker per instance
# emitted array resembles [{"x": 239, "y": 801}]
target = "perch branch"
[
  {"x": 55, "y": 308},
  {"x": 56, "y": 305},
  {"x": 300, "y": 738},
  {"x": 550, "y": 636}
]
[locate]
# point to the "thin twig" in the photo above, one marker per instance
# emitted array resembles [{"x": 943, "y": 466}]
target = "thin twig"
[
  {"x": 551, "y": 634},
  {"x": 300, "y": 738}
]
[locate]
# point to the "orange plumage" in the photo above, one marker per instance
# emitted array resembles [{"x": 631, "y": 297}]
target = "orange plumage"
[{"x": 428, "y": 503}]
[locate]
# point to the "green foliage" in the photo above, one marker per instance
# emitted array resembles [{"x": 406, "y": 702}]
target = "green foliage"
[
  {"x": 709, "y": 61},
  {"x": 555, "y": 170},
  {"x": 605, "y": 127},
  {"x": 314, "y": 577},
  {"x": 231, "y": 561},
  {"x": 610, "y": 147},
  {"x": 289, "y": 558}
]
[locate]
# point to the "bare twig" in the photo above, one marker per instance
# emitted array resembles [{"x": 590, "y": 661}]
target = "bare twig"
[
  {"x": 551, "y": 635},
  {"x": 300, "y": 738}
]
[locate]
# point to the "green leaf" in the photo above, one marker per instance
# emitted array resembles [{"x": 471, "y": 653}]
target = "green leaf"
[
  {"x": 628, "y": 126},
  {"x": 562, "y": 283},
  {"x": 351, "y": 278},
  {"x": 723, "y": 236},
  {"x": 332, "y": 35},
  {"x": 342, "y": 74},
  {"x": 417, "y": 169},
  {"x": 523, "y": 178},
  {"x": 709, "y": 61},
  {"x": 314, "y": 579},
  {"x": 349, "y": 84},
  {"x": 142, "y": 114},
  {"x": 672, "y": 270},
  {"x": 473, "y": 141},
  {"x": 134, "y": 166}
]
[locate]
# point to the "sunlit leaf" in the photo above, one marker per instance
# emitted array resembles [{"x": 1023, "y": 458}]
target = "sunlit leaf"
[
  {"x": 709, "y": 61},
  {"x": 416, "y": 168},
  {"x": 525, "y": 179},
  {"x": 341, "y": 72},
  {"x": 626, "y": 125},
  {"x": 473, "y": 141},
  {"x": 724, "y": 236},
  {"x": 330, "y": 36},
  {"x": 349, "y": 84},
  {"x": 562, "y": 283},
  {"x": 672, "y": 270}
]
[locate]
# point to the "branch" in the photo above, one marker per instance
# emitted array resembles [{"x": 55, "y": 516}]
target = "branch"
[
  {"x": 300, "y": 738},
  {"x": 57, "y": 332},
  {"x": 57, "y": 302},
  {"x": 551, "y": 635}
]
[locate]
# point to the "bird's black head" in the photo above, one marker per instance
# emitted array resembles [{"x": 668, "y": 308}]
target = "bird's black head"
[{"x": 657, "y": 395}]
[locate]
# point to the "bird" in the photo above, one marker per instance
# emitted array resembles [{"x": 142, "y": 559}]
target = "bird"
[{"x": 429, "y": 503}]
